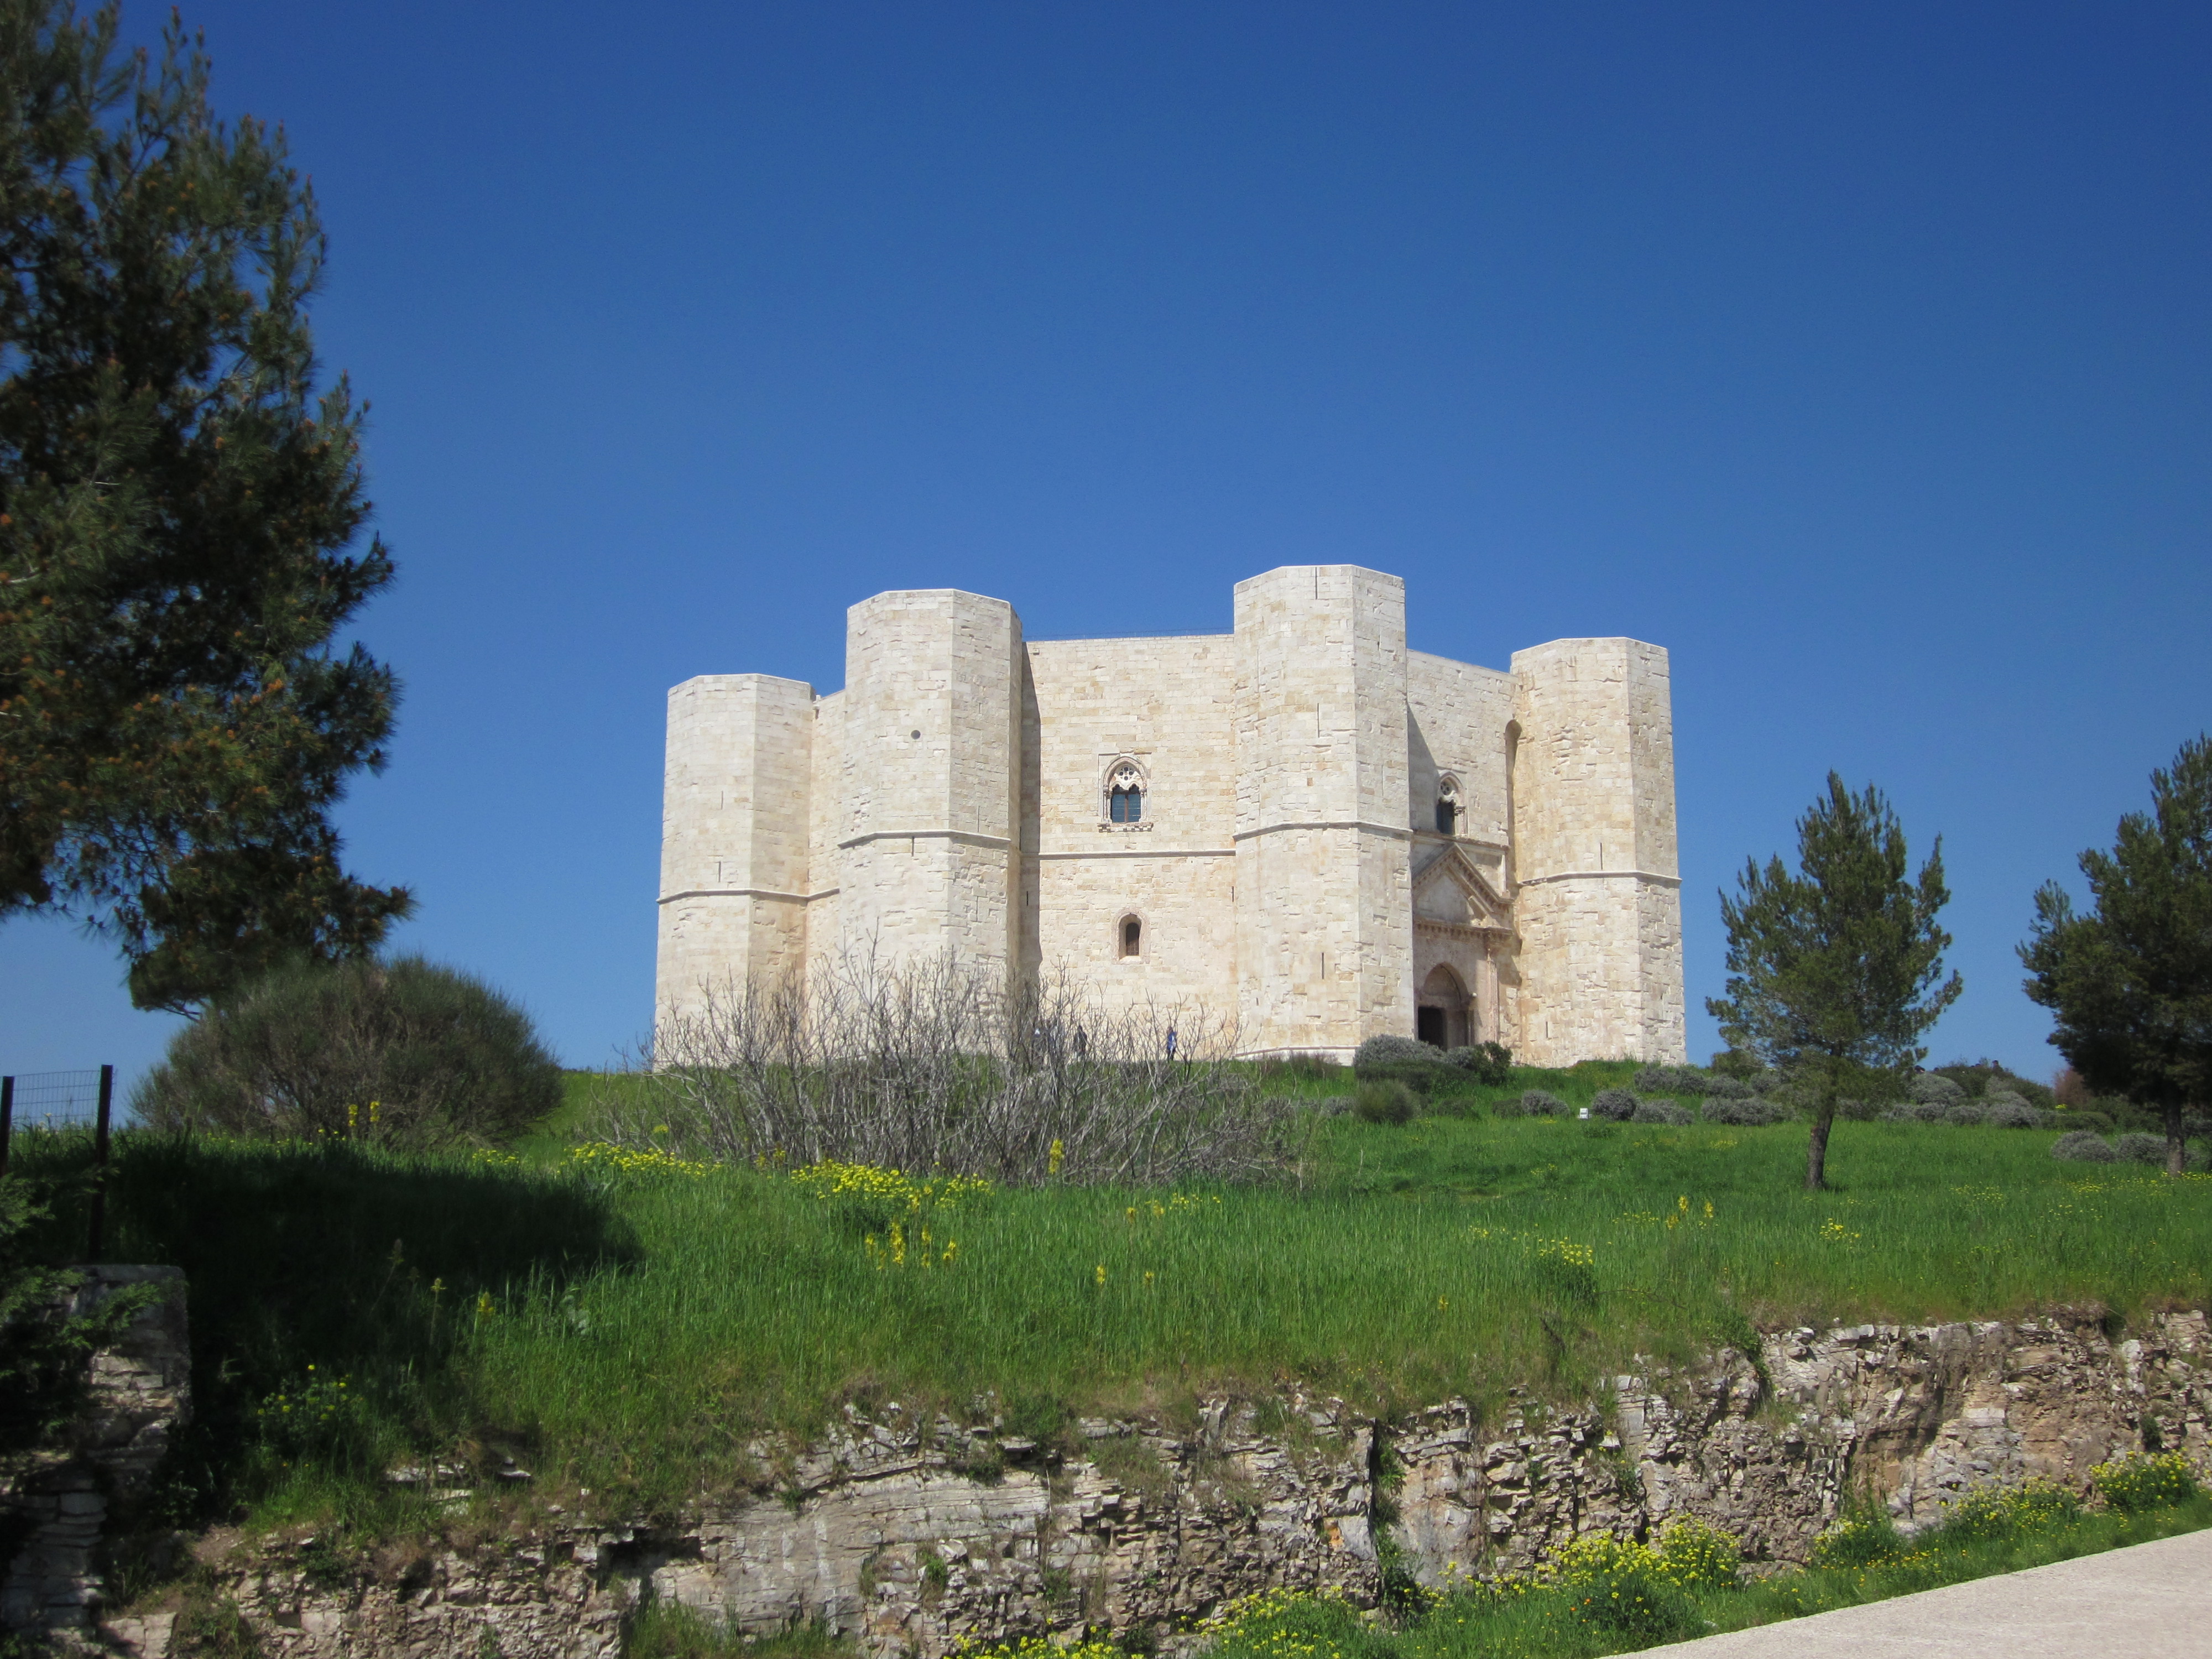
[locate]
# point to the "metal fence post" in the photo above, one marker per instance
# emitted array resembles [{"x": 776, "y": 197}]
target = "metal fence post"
[
  {"x": 100, "y": 1162},
  {"x": 7, "y": 1118}
]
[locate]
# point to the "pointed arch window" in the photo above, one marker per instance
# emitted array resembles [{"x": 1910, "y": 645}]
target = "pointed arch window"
[
  {"x": 1448, "y": 812},
  {"x": 1124, "y": 794},
  {"x": 1133, "y": 938}
]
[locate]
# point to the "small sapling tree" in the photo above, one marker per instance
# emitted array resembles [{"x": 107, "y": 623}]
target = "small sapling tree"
[
  {"x": 2130, "y": 981},
  {"x": 1837, "y": 969}
]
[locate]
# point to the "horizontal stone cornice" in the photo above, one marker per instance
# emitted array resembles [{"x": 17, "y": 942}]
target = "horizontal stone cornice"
[
  {"x": 1146, "y": 853},
  {"x": 1601, "y": 875},
  {"x": 965, "y": 837},
  {"x": 1394, "y": 831},
  {"x": 1462, "y": 929},
  {"x": 769, "y": 893}
]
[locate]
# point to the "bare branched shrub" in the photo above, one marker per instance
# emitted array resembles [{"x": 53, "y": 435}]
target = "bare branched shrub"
[{"x": 935, "y": 1067}]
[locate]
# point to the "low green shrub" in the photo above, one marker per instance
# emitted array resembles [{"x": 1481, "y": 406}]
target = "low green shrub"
[
  {"x": 2147, "y": 1480},
  {"x": 1858, "y": 1538},
  {"x": 661, "y": 1629},
  {"x": 1385, "y": 1101},
  {"x": 402, "y": 1054},
  {"x": 1280, "y": 1624},
  {"x": 1980, "y": 1078},
  {"x": 1659, "y": 1111},
  {"x": 1623, "y": 1588},
  {"x": 1683, "y": 1082},
  {"x": 1993, "y": 1513},
  {"x": 47, "y": 1328},
  {"x": 1488, "y": 1063},
  {"x": 2082, "y": 1146},
  {"x": 1613, "y": 1105},
  {"x": 1698, "y": 1555},
  {"x": 1542, "y": 1102},
  {"x": 2140, "y": 1149},
  {"x": 1935, "y": 1089},
  {"x": 1403, "y": 1060},
  {"x": 1750, "y": 1113}
]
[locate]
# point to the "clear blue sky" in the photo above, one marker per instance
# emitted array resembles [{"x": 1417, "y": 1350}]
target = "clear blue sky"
[{"x": 1858, "y": 354}]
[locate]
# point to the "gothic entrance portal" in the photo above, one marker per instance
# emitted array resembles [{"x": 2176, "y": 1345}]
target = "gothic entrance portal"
[{"x": 1440, "y": 1016}]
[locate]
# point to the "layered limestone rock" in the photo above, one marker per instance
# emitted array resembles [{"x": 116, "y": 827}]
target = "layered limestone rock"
[
  {"x": 915, "y": 1535},
  {"x": 55, "y": 1505}
]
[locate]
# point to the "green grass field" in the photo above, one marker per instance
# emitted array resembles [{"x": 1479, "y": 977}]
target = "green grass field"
[{"x": 626, "y": 1326}]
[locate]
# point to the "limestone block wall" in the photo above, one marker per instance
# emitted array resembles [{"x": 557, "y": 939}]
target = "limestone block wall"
[
  {"x": 1455, "y": 719},
  {"x": 733, "y": 852},
  {"x": 1167, "y": 706},
  {"x": 928, "y": 855},
  {"x": 1597, "y": 900},
  {"x": 1456, "y": 716},
  {"x": 825, "y": 822},
  {"x": 1287, "y": 873},
  {"x": 1324, "y": 903}
]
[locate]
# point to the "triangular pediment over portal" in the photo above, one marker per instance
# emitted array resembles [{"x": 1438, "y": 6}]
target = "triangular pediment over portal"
[{"x": 1453, "y": 890}]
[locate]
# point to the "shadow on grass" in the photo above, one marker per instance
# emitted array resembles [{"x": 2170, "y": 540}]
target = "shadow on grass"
[{"x": 335, "y": 1294}]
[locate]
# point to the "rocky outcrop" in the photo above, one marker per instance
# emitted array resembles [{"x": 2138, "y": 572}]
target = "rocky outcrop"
[
  {"x": 55, "y": 1505},
  {"x": 914, "y": 1534}
]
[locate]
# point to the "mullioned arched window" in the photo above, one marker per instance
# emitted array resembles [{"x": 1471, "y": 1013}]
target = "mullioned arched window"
[{"x": 1125, "y": 792}]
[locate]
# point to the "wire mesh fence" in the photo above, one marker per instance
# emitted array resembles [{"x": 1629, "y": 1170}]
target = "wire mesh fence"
[
  {"x": 65, "y": 1100},
  {"x": 56, "y": 1100}
]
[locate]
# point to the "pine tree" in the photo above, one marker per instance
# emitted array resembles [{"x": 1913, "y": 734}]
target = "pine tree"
[
  {"x": 176, "y": 507},
  {"x": 1835, "y": 972},
  {"x": 2132, "y": 981}
]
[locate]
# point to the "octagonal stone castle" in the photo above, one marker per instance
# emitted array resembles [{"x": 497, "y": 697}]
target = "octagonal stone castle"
[{"x": 1301, "y": 824}]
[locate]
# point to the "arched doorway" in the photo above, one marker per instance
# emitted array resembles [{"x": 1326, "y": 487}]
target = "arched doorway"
[{"x": 1441, "y": 1011}]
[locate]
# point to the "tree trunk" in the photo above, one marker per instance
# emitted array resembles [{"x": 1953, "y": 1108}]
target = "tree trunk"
[
  {"x": 2177, "y": 1148},
  {"x": 1816, "y": 1148}
]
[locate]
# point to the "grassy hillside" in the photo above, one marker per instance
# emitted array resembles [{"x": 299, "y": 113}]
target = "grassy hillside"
[{"x": 626, "y": 1322}]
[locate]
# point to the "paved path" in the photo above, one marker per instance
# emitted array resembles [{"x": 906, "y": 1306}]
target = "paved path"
[{"x": 2148, "y": 1602}]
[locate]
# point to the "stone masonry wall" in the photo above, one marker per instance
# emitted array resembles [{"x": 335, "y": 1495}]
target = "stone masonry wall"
[
  {"x": 1597, "y": 900},
  {"x": 1324, "y": 898},
  {"x": 1166, "y": 705},
  {"x": 948, "y": 802},
  {"x": 55, "y": 1505},
  {"x": 733, "y": 857},
  {"x": 883, "y": 1531},
  {"x": 929, "y": 855}
]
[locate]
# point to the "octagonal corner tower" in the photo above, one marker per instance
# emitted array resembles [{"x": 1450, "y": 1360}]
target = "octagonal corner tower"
[{"x": 1300, "y": 828}]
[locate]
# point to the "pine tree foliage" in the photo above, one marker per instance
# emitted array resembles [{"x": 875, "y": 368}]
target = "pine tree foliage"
[
  {"x": 1835, "y": 971},
  {"x": 2130, "y": 981},
  {"x": 177, "y": 505}
]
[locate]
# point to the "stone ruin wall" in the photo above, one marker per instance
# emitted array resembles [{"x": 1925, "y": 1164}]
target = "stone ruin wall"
[{"x": 883, "y": 1530}]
